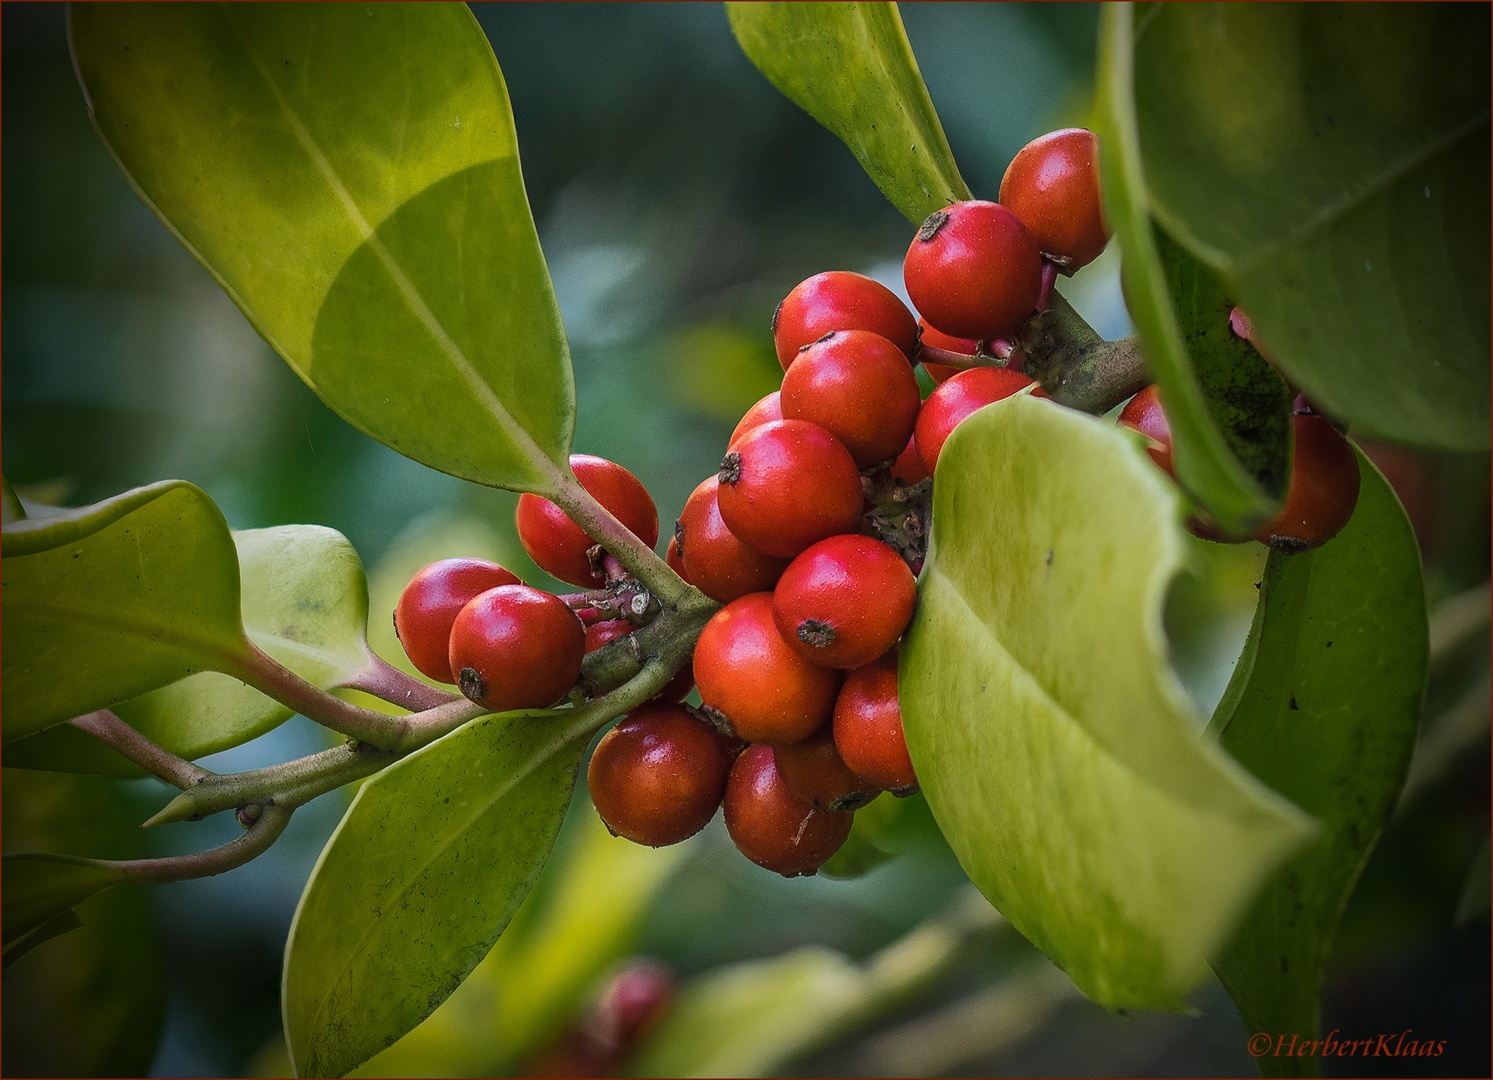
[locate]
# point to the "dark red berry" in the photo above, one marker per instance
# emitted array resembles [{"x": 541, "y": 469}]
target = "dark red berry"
[
  {"x": 606, "y": 632},
  {"x": 1052, "y": 185},
  {"x": 658, "y": 776},
  {"x": 765, "y": 411},
  {"x": 868, "y": 728},
  {"x": 845, "y": 601},
  {"x": 935, "y": 339},
  {"x": 1324, "y": 488},
  {"x": 787, "y": 484},
  {"x": 430, "y": 603},
  {"x": 631, "y": 1001},
  {"x": 839, "y": 300},
  {"x": 973, "y": 271},
  {"x": 813, "y": 772},
  {"x": 949, "y": 404},
  {"x": 1143, "y": 413},
  {"x": 909, "y": 469},
  {"x": 720, "y": 565},
  {"x": 747, "y": 672},
  {"x": 771, "y": 827},
  {"x": 514, "y": 647},
  {"x": 559, "y": 546},
  {"x": 860, "y": 388}
]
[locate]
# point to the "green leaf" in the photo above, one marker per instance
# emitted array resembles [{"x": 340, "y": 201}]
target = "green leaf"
[
  {"x": 585, "y": 913},
  {"x": 432, "y": 859},
  {"x": 305, "y": 602},
  {"x": 849, "y": 66},
  {"x": 1324, "y": 707},
  {"x": 364, "y": 207},
  {"x": 1206, "y": 464},
  {"x": 1332, "y": 165},
  {"x": 109, "y": 601},
  {"x": 1059, "y": 754},
  {"x": 89, "y": 1002}
]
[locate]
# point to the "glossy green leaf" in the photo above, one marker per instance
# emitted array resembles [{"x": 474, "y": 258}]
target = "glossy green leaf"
[
  {"x": 586, "y": 912},
  {"x": 1206, "y": 464},
  {"x": 363, "y": 206},
  {"x": 849, "y": 66},
  {"x": 1331, "y": 163},
  {"x": 305, "y": 602},
  {"x": 109, "y": 601},
  {"x": 90, "y": 1001},
  {"x": 1059, "y": 754},
  {"x": 432, "y": 859},
  {"x": 1324, "y": 707}
]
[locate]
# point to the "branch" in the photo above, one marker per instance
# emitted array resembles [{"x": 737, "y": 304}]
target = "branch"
[
  {"x": 129, "y": 743},
  {"x": 599, "y": 524},
  {"x": 1076, "y": 366},
  {"x": 385, "y": 681},
  {"x": 263, "y": 673}
]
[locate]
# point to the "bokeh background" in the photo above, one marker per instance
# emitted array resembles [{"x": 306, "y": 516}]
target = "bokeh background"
[{"x": 678, "y": 197}]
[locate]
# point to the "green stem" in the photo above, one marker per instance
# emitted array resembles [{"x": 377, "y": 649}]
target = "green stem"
[
  {"x": 129, "y": 743},
  {"x": 264, "y": 674},
  {"x": 1076, "y": 366},
  {"x": 387, "y": 683},
  {"x": 599, "y": 523}
]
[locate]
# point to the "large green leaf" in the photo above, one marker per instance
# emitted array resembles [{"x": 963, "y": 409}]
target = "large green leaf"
[
  {"x": 305, "y": 602},
  {"x": 849, "y": 66},
  {"x": 109, "y": 601},
  {"x": 585, "y": 913},
  {"x": 89, "y": 1002},
  {"x": 1206, "y": 463},
  {"x": 1331, "y": 162},
  {"x": 432, "y": 859},
  {"x": 350, "y": 176},
  {"x": 1057, "y": 750},
  {"x": 1324, "y": 707}
]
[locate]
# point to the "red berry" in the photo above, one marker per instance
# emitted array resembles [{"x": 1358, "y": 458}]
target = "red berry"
[
  {"x": 606, "y": 632},
  {"x": 839, "y": 300},
  {"x": 868, "y": 728},
  {"x": 746, "y": 671},
  {"x": 1324, "y": 488},
  {"x": 844, "y": 601},
  {"x": 514, "y": 647},
  {"x": 764, "y": 412},
  {"x": 630, "y": 1002},
  {"x": 658, "y": 776},
  {"x": 558, "y": 545},
  {"x": 1052, "y": 185},
  {"x": 786, "y": 485},
  {"x": 720, "y": 565},
  {"x": 909, "y": 468},
  {"x": 860, "y": 388},
  {"x": 429, "y": 605},
  {"x": 974, "y": 271},
  {"x": 814, "y": 773},
  {"x": 676, "y": 560},
  {"x": 935, "y": 339},
  {"x": 771, "y": 827},
  {"x": 965, "y": 393},
  {"x": 1143, "y": 413}
]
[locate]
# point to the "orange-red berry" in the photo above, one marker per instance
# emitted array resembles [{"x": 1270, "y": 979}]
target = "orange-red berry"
[
  {"x": 839, "y": 300},
  {"x": 559, "y": 546},
  {"x": 771, "y": 827}
]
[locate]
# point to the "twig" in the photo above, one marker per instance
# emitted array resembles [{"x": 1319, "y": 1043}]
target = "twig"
[{"x": 129, "y": 743}]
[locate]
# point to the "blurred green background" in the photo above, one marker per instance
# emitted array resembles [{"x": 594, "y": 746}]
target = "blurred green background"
[{"x": 678, "y": 197}]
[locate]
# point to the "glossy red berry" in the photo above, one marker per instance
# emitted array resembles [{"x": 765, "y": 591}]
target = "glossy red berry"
[
  {"x": 814, "y": 773},
  {"x": 949, "y": 404},
  {"x": 606, "y": 632},
  {"x": 868, "y": 728},
  {"x": 720, "y": 565},
  {"x": 1324, "y": 488},
  {"x": 909, "y": 469},
  {"x": 845, "y": 601},
  {"x": 559, "y": 546},
  {"x": 973, "y": 271},
  {"x": 1052, "y": 185},
  {"x": 748, "y": 673},
  {"x": 839, "y": 300},
  {"x": 860, "y": 388},
  {"x": 936, "y": 339},
  {"x": 786, "y": 485},
  {"x": 514, "y": 647},
  {"x": 430, "y": 603},
  {"x": 771, "y": 827},
  {"x": 658, "y": 776},
  {"x": 767, "y": 410},
  {"x": 1143, "y": 413}
]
